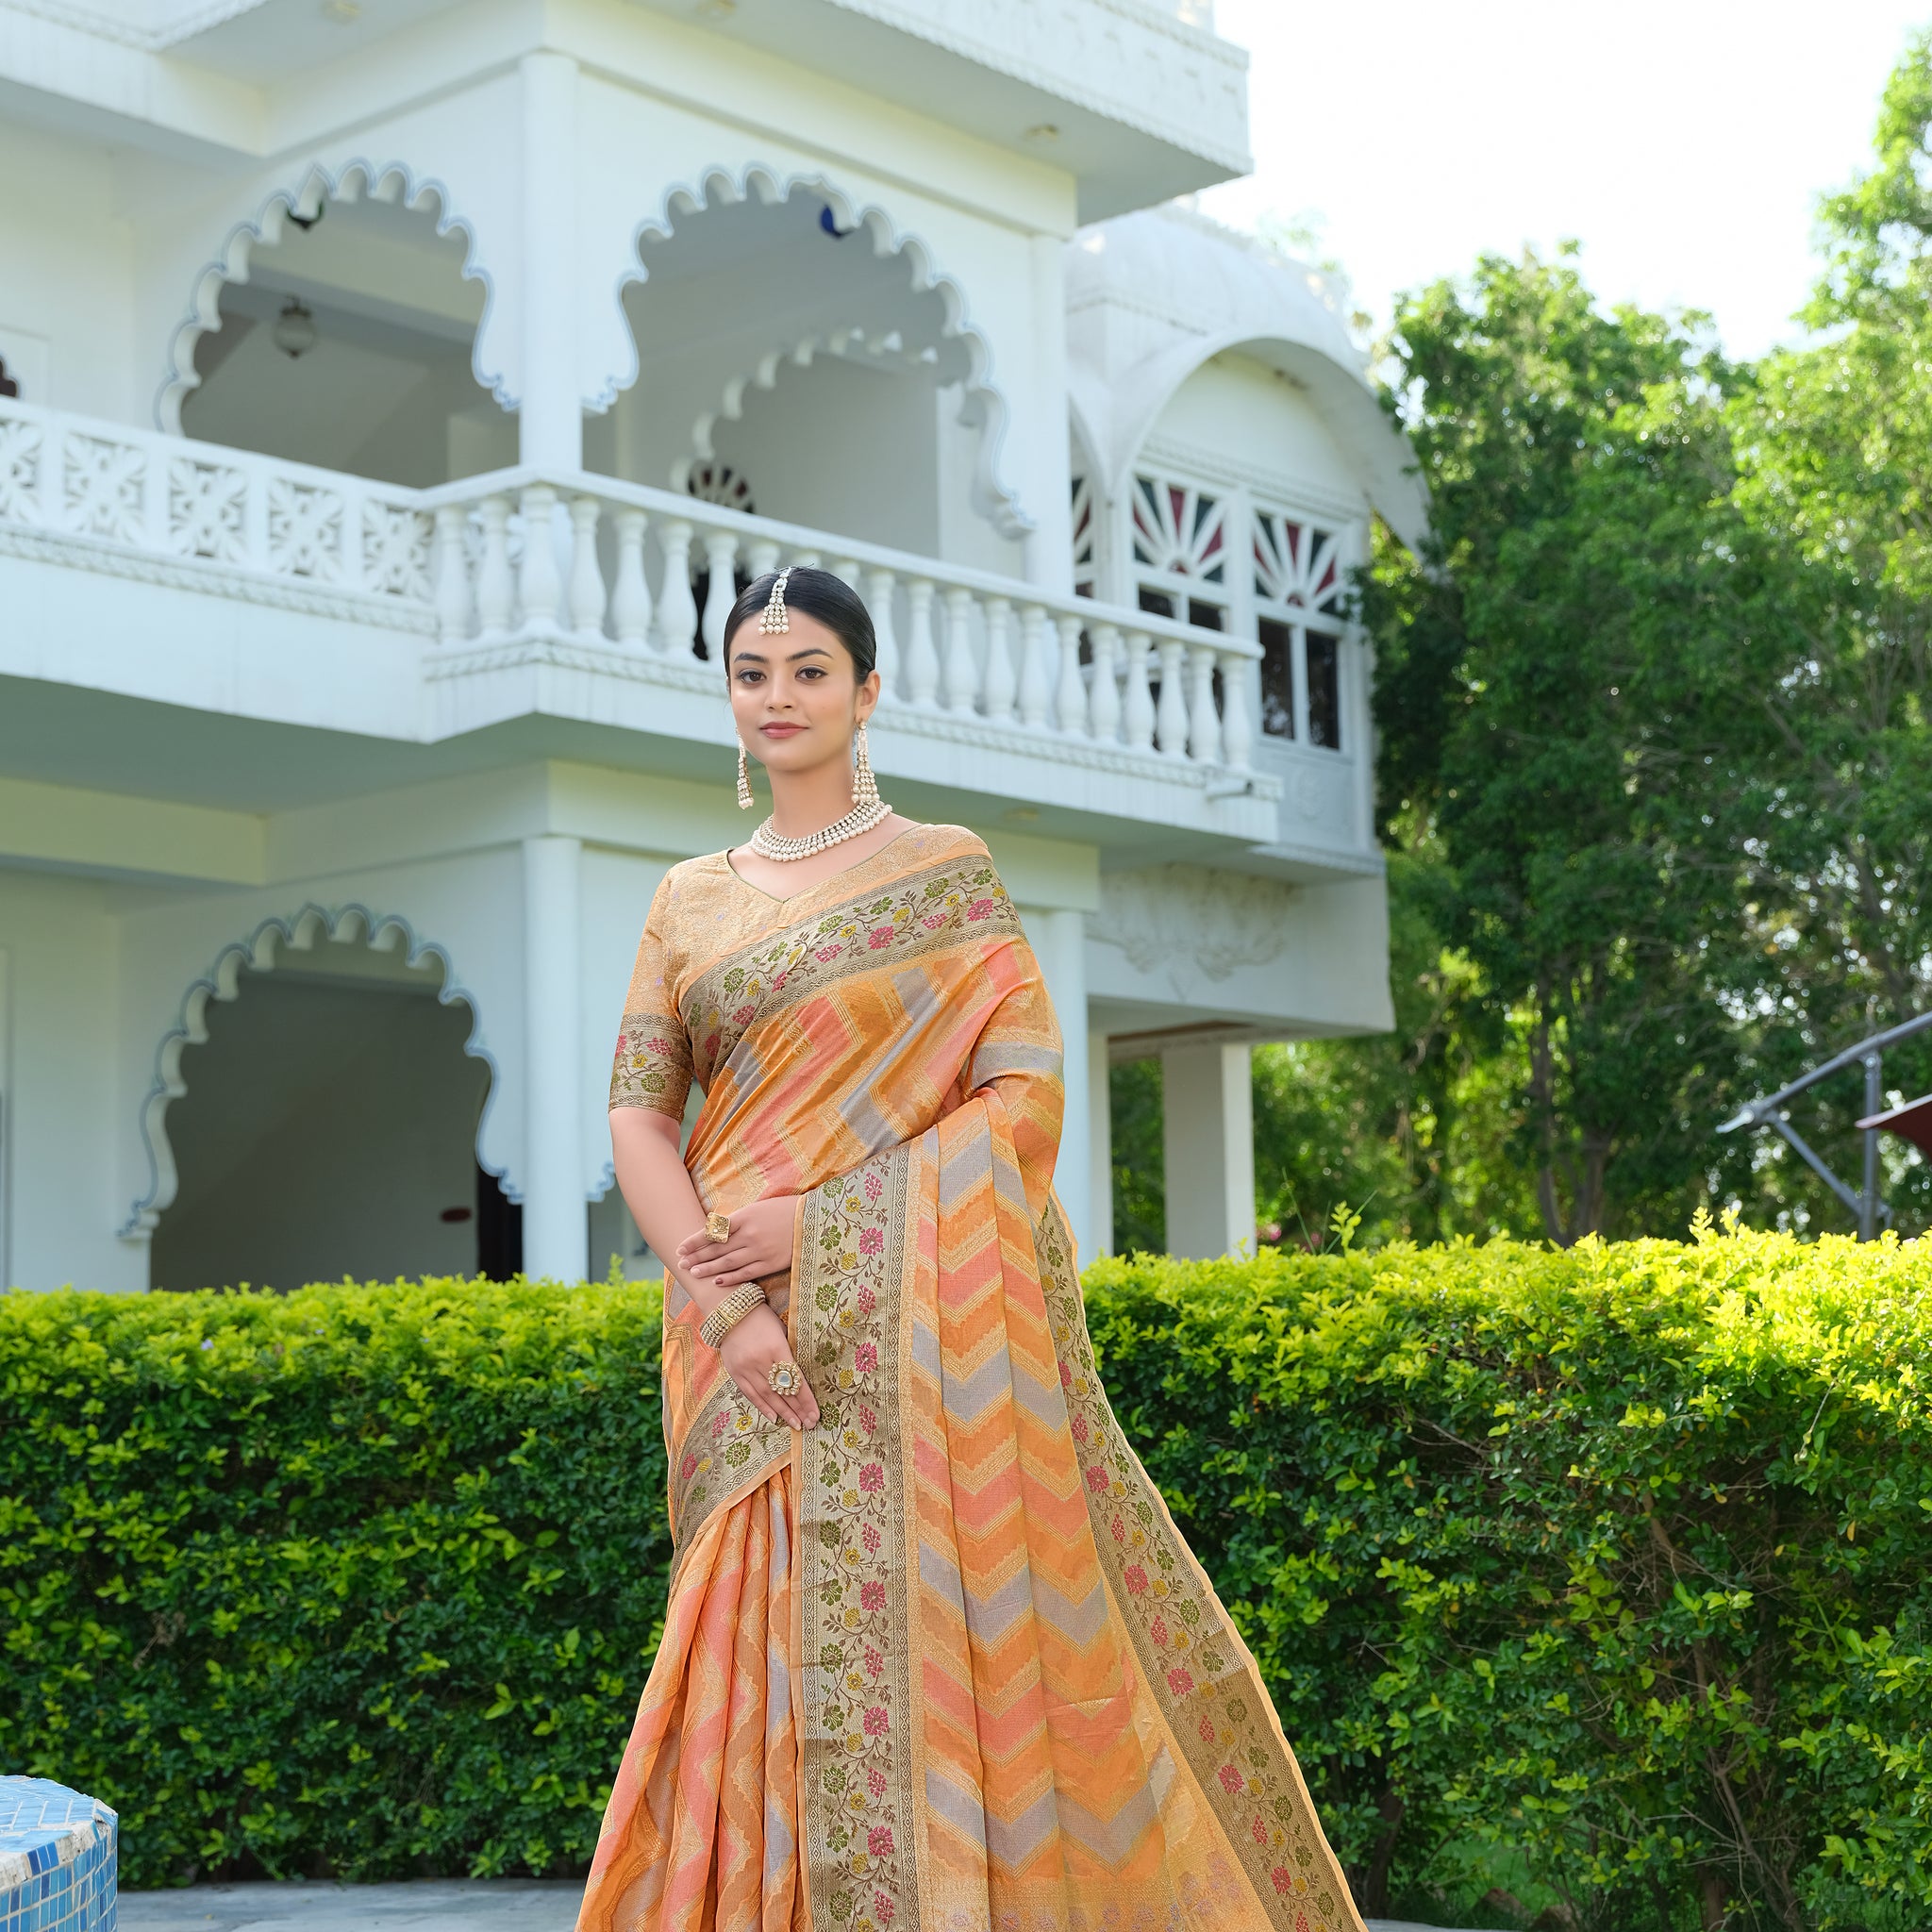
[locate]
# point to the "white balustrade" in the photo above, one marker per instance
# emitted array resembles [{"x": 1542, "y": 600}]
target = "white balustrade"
[
  {"x": 1237, "y": 730},
  {"x": 1204, "y": 722},
  {"x": 1137, "y": 699},
  {"x": 959, "y": 677},
  {"x": 1002, "y": 684},
  {"x": 586, "y": 598},
  {"x": 878, "y": 600},
  {"x": 456, "y": 606},
  {"x": 1070, "y": 689},
  {"x": 630, "y": 596},
  {"x": 1035, "y": 687},
  {"x": 539, "y": 583},
  {"x": 921, "y": 654},
  {"x": 677, "y": 609},
  {"x": 721, "y": 594},
  {"x": 496, "y": 587},
  {"x": 494, "y": 559},
  {"x": 1103, "y": 693},
  {"x": 1171, "y": 714}
]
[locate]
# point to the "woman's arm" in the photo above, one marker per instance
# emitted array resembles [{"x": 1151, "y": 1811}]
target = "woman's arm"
[{"x": 658, "y": 1192}]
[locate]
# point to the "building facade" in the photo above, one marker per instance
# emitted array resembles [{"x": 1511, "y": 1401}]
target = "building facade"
[{"x": 393, "y": 394}]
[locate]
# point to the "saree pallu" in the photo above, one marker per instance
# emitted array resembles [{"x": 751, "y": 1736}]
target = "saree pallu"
[{"x": 943, "y": 1661}]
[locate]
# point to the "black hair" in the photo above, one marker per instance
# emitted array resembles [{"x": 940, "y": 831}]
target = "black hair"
[{"x": 816, "y": 593}]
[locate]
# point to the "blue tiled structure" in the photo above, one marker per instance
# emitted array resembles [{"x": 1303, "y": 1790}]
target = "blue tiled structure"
[{"x": 57, "y": 1859}]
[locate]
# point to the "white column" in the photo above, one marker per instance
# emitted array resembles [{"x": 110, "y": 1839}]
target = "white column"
[
  {"x": 555, "y": 1217},
  {"x": 1041, "y": 453},
  {"x": 550, "y": 416},
  {"x": 1058, "y": 936},
  {"x": 1207, "y": 1144},
  {"x": 1100, "y": 1141}
]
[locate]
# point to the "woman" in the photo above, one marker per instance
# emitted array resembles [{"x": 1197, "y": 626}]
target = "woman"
[{"x": 934, "y": 1656}]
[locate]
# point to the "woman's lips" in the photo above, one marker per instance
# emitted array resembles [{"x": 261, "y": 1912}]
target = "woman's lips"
[{"x": 780, "y": 730}]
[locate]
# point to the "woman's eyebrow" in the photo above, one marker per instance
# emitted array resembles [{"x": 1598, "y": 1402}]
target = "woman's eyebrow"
[{"x": 810, "y": 651}]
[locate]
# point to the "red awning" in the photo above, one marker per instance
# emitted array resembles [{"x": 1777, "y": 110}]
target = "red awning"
[{"x": 1912, "y": 1122}]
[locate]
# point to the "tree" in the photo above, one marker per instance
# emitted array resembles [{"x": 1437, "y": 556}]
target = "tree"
[
  {"x": 1558, "y": 694},
  {"x": 1834, "y": 443}
]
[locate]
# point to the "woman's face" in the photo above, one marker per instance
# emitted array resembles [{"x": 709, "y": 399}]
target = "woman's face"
[{"x": 795, "y": 695}]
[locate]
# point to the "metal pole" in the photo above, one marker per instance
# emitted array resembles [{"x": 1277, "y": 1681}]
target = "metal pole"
[{"x": 1868, "y": 1198}]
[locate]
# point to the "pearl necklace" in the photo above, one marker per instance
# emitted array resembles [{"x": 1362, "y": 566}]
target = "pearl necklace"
[{"x": 861, "y": 819}]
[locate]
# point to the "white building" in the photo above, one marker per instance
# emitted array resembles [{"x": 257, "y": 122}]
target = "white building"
[{"x": 394, "y": 392}]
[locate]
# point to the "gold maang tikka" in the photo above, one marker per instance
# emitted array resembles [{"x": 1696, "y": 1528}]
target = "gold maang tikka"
[{"x": 774, "y": 619}]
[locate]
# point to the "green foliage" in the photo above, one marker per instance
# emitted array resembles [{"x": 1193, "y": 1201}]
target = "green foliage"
[
  {"x": 1613, "y": 1555},
  {"x": 1411, "y": 1129},
  {"x": 1598, "y": 1574},
  {"x": 361, "y": 1579},
  {"x": 1657, "y": 703},
  {"x": 1140, "y": 1161},
  {"x": 1835, "y": 449},
  {"x": 1559, "y": 690}
]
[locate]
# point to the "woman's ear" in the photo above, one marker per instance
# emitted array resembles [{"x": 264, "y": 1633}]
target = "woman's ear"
[{"x": 868, "y": 694}]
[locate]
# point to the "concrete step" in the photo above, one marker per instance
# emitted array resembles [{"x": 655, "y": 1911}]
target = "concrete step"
[{"x": 429, "y": 1905}]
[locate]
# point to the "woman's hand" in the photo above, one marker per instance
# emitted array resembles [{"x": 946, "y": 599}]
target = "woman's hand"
[
  {"x": 759, "y": 1248},
  {"x": 749, "y": 1351}
]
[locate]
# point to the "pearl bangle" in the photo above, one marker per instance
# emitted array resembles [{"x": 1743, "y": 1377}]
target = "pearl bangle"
[{"x": 729, "y": 1314}]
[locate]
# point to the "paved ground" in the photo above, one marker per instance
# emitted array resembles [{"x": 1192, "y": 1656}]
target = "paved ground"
[{"x": 493, "y": 1904}]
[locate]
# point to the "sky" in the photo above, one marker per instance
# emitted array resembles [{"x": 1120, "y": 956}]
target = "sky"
[{"x": 1683, "y": 142}]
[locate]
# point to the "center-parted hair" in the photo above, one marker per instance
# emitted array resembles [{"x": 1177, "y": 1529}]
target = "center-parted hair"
[{"x": 817, "y": 593}]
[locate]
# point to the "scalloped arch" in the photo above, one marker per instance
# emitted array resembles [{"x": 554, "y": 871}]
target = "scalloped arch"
[
  {"x": 1379, "y": 454},
  {"x": 392, "y": 182},
  {"x": 984, "y": 405},
  {"x": 849, "y": 344},
  {"x": 299, "y": 932}
]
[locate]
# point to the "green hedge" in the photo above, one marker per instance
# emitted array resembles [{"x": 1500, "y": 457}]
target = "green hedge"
[
  {"x": 1610, "y": 1568},
  {"x": 1621, "y": 1558},
  {"x": 364, "y": 1579}
]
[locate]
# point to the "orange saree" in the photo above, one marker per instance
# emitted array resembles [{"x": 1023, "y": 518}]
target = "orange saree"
[{"x": 943, "y": 1661}]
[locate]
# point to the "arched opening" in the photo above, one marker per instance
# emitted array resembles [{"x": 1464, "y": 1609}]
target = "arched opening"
[
  {"x": 816, "y": 356},
  {"x": 328, "y": 1129},
  {"x": 1269, "y": 560},
  {"x": 342, "y": 333}
]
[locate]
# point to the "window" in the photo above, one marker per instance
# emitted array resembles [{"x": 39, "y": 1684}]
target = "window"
[
  {"x": 1278, "y": 677},
  {"x": 1189, "y": 610},
  {"x": 1325, "y": 691},
  {"x": 1180, "y": 550},
  {"x": 1299, "y": 577},
  {"x": 1086, "y": 564}
]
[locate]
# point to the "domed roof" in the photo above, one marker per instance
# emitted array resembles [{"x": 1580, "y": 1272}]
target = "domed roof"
[{"x": 1153, "y": 295}]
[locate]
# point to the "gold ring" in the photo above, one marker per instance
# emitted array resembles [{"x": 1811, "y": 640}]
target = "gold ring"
[
  {"x": 786, "y": 1379},
  {"x": 718, "y": 1227}
]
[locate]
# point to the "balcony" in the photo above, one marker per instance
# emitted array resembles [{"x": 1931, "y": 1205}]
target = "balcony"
[{"x": 140, "y": 566}]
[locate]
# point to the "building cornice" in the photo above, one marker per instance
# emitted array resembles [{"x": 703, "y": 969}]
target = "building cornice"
[{"x": 1134, "y": 89}]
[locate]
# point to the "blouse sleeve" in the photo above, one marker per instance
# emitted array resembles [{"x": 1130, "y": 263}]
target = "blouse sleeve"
[{"x": 652, "y": 1066}]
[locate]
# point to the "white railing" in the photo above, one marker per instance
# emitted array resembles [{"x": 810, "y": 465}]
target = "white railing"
[
  {"x": 619, "y": 575},
  {"x": 620, "y": 569},
  {"x": 163, "y": 496}
]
